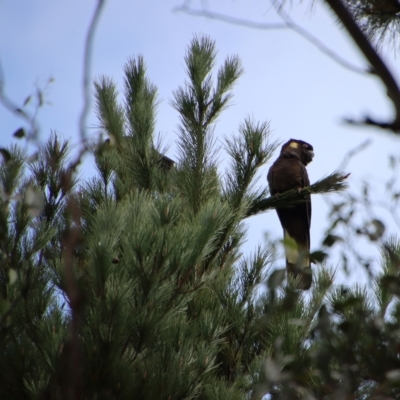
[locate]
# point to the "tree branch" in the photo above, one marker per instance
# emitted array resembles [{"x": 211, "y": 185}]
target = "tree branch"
[
  {"x": 335, "y": 182},
  {"x": 288, "y": 24},
  {"x": 87, "y": 95},
  {"x": 316, "y": 42},
  {"x": 226, "y": 18},
  {"x": 379, "y": 68}
]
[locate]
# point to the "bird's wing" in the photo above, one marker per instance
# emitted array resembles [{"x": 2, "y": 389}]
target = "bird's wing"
[
  {"x": 286, "y": 174},
  {"x": 295, "y": 222}
]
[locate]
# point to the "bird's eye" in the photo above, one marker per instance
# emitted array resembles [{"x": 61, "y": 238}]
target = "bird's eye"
[{"x": 305, "y": 145}]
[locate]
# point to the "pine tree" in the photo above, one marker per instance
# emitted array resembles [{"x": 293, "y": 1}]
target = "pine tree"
[{"x": 133, "y": 285}]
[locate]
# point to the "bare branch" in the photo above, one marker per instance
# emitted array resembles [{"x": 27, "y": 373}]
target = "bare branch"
[
  {"x": 288, "y": 24},
  {"x": 316, "y": 42},
  {"x": 227, "y": 19},
  {"x": 391, "y": 126},
  {"x": 87, "y": 95},
  {"x": 17, "y": 110},
  {"x": 379, "y": 68},
  {"x": 353, "y": 152}
]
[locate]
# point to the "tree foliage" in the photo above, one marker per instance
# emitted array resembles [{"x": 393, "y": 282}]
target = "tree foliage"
[{"x": 132, "y": 284}]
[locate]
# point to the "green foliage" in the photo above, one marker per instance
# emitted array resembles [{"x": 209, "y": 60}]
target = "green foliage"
[
  {"x": 133, "y": 285},
  {"x": 199, "y": 105}
]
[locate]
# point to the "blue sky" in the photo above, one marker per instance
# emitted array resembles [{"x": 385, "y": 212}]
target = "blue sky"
[{"x": 287, "y": 81}]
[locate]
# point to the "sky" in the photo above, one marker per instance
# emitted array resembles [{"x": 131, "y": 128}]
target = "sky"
[{"x": 303, "y": 93}]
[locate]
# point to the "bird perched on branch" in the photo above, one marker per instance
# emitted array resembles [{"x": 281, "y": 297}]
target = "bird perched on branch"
[{"x": 286, "y": 173}]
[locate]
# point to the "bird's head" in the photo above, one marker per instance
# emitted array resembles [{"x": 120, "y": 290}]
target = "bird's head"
[{"x": 303, "y": 149}]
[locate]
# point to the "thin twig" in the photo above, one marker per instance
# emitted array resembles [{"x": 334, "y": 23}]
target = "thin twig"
[
  {"x": 15, "y": 109},
  {"x": 227, "y": 19},
  {"x": 87, "y": 95},
  {"x": 288, "y": 24},
  {"x": 316, "y": 42},
  {"x": 353, "y": 152}
]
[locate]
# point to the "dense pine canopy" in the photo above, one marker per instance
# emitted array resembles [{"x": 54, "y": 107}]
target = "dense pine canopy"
[{"x": 132, "y": 285}]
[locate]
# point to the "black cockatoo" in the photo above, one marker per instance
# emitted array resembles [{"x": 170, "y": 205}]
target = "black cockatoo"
[{"x": 286, "y": 173}]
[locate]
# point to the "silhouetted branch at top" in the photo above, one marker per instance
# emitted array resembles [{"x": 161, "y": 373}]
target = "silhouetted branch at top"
[
  {"x": 228, "y": 19},
  {"x": 379, "y": 68},
  {"x": 334, "y": 182},
  {"x": 287, "y": 24},
  {"x": 315, "y": 41}
]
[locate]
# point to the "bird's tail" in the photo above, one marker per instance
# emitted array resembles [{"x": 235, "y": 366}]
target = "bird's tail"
[
  {"x": 298, "y": 263},
  {"x": 301, "y": 276}
]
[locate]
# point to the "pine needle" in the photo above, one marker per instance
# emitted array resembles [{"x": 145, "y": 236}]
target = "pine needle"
[{"x": 334, "y": 182}]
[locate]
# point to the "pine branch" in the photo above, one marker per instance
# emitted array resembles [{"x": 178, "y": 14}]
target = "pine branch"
[
  {"x": 249, "y": 150},
  {"x": 110, "y": 113},
  {"x": 334, "y": 182},
  {"x": 141, "y": 101},
  {"x": 141, "y": 105},
  {"x": 199, "y": 104}
]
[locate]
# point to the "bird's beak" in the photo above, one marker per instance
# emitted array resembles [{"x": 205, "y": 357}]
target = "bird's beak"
[{"x": 310, "y": 153}]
